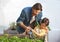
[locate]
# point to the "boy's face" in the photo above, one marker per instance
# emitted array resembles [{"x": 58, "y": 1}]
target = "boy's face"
[
  {"x": 43, "y": 25},
  {"x": 46, "y": 22},
  {"x": 35, "y": 12}
]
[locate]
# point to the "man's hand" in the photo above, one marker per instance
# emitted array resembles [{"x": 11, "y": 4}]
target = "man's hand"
[{"x": 28, "y": 28}]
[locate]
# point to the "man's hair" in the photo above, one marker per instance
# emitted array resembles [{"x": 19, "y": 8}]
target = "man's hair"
[
  {"x": 45, "y": 20},
  {"x": 37, "y": 6}
]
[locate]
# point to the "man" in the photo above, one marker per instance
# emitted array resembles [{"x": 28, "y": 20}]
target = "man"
[{"x": 28, "y": 15}]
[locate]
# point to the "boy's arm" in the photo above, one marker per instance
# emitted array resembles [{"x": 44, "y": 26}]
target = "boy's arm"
[
  {"x": 46, "y": 38},
  {"x": 39, "y": 34}
]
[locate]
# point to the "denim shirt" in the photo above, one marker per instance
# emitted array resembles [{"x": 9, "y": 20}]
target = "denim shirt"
[{"x": 25, "y": 17}]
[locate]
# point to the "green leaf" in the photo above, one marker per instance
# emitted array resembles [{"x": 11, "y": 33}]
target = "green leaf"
[{"x": 49, "y": 28}]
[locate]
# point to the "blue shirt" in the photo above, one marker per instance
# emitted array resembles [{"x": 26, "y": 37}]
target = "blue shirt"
[{"x": 25, "y": 17}]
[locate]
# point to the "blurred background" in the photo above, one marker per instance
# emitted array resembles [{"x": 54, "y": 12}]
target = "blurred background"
[{"x": 10, "y": 10}]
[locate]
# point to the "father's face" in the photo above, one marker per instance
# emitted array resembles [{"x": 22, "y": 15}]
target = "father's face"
[{"x": 35, "y": 12}]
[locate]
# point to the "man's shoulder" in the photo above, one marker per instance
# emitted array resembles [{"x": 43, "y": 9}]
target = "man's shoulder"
[{"x": 27, "y": 8}]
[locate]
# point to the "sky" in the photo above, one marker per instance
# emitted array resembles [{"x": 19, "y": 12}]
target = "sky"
[{"x": 10, "y": 10}]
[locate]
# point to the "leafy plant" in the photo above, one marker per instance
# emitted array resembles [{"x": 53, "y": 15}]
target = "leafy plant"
[
  {"x": 17, "y": 39},
  {"x": 13, "y": 25}
]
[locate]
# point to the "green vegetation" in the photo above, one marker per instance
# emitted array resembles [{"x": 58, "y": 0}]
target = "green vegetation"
[{"x": 5, "y": 38}]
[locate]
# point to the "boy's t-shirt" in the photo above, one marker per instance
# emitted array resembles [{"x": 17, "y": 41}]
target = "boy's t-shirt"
[{"x": 41, "y": 32}]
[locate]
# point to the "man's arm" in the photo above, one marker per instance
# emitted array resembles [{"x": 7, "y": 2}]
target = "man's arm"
[
  {"x": 24, "y": 26},
  {"x": 21, "y": 19}
]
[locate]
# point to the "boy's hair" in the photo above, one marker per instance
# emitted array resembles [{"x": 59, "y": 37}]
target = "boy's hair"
[
  {"x": 37, "y": 6},
  {"x": 45, "y": 20}
]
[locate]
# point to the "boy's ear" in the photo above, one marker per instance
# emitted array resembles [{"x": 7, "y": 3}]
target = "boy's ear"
[{"x": 40, "y": 21}]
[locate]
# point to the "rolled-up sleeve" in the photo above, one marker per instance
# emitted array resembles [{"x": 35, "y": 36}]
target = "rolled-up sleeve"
[{"x": 21, "y": 17}]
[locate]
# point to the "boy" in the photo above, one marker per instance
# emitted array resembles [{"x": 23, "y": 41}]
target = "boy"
[{"x": 40, "y": 30}]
